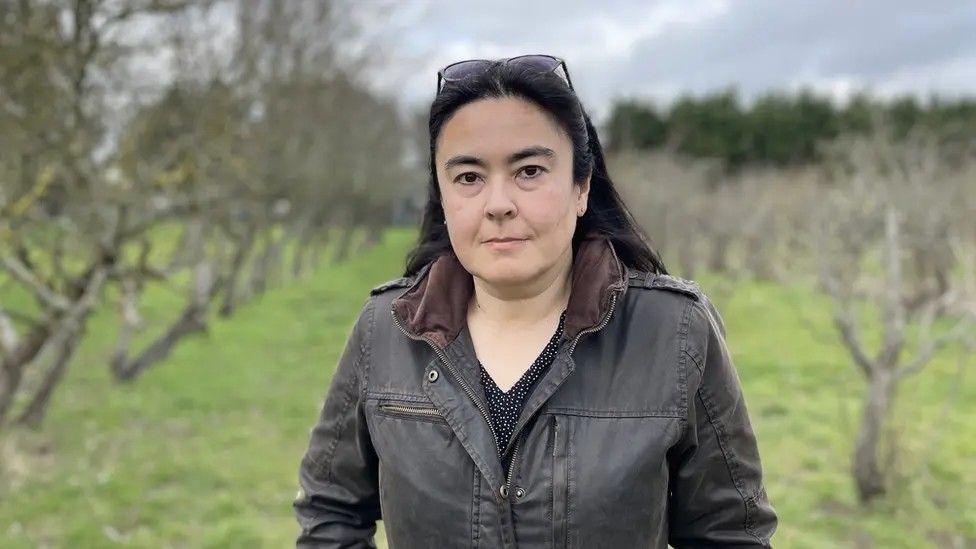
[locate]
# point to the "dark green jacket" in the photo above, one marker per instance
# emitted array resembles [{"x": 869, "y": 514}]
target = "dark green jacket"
[{"x": 636, "y": 436}]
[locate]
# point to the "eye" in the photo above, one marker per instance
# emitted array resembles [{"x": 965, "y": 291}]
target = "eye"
[
  {"x": 536, "y": 171},
  {"x": 461, "y": 177}
]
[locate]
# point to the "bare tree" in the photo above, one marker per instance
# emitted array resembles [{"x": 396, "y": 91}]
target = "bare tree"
[{"x": 888, "y": 203}]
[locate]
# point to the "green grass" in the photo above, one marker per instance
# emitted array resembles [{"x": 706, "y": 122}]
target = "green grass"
[{"x": 203, "y": 450}]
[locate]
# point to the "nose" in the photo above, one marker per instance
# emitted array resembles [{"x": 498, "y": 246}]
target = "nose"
[{"x": 499, "y": 204}]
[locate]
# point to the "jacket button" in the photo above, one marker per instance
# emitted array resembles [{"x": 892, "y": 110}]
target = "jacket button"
[
  {"x": 432, "y": 376},
  {"x": 503, "y": 490},
  {"x": 519, "y": 492}
]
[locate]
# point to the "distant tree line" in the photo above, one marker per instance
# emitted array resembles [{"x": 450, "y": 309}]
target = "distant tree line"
[{"x": 778, "y": 128}]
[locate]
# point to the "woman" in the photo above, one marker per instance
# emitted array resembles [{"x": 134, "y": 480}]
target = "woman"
[{"x": 535, "y": 379}]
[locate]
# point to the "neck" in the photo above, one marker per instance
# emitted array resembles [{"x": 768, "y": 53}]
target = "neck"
[{"x": 527, "y": 304}]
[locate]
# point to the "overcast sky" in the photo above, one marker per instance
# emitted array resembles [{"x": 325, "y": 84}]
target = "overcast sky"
[{"x": 660, "y": 49}]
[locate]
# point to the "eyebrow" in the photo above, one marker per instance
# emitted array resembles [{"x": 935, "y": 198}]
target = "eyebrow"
[{"x": 535, "y": 150}]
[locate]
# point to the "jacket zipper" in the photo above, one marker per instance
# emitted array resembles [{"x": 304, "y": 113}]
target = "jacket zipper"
[
  {"x": 409, "y": 409},
  {"x": 558, "y": 522},
  {"x": 518, "y": 441}
]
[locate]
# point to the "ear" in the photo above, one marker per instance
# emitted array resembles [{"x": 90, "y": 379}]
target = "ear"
[{"x": 584, "y": 192}]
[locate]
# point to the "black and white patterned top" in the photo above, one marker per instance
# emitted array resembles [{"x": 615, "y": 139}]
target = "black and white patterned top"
[{"x": 505, "y": 406}]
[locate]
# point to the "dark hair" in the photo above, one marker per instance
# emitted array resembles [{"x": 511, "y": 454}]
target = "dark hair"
[{"x": 606, "y": 212}]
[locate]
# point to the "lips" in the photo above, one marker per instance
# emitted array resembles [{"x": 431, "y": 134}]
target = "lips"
[
  {"x": 506, "y": 239},
  {"x": 505, "y": 245}
]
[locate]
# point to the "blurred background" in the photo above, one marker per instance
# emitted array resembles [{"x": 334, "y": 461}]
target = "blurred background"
[{"x": 196, "y": 196}]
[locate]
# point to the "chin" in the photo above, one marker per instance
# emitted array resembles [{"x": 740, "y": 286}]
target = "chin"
[{"x": 505, "y": 272}]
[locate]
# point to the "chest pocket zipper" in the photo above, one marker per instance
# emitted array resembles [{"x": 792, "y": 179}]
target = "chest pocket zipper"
[
  {"x": 559, "y": 484},
  {"x": 410, "y": 410}
]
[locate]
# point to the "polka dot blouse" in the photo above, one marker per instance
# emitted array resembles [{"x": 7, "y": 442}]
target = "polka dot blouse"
[{"x": 505, "y": 406}]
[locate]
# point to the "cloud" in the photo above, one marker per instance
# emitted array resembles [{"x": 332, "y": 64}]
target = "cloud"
[{"x": 661, "y": 49}]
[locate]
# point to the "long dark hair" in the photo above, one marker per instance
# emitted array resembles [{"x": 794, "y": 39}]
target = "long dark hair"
[{"x": 606, "y": 213}]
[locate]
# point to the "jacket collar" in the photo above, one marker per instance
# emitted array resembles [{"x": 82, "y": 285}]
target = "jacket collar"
[{"x": 435, "y": 305}]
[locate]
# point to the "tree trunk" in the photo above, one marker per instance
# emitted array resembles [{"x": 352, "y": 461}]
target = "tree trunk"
[
  {"x": 718, "y": 259},
  {"x": 317, "y": 246},
  {"x": 231, "y": 293},
  {"x": 760, "y": 260},
  {"x": 868, "y": 473},
  {"x": 345, "y": 244},
  {"x": 274, "y": 261},
  {"x": 192, "y": 320},
  {"x": 12, "y": 366},
  {"x": 303, "y": 235},
  {"x": 10, "y": 376},
  {"x": 33, "y": 414},
  {"x": 261, "y": 266}
]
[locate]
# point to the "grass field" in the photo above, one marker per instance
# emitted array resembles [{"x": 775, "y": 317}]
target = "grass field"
[{"x": 203, "y": 450}]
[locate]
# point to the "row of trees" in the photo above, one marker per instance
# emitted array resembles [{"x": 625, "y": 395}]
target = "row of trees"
[
  {"x": 228, "y": 177},
  {"x": 777, "y": 128},
  {"x": 882, "y": 227}
]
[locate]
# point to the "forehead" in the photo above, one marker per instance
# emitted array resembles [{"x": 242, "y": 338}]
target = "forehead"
[{"x": 492, "y": 128}]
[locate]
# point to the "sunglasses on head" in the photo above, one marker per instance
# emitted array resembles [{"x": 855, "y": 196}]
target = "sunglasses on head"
[{"x": 541, "y": 63}]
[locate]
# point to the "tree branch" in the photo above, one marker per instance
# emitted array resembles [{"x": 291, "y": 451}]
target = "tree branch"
[{"x": 42, "y": 292}]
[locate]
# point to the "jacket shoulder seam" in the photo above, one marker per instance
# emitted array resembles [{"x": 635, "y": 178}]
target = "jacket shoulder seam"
[
  {"x": 399, "y": 282},
  {"x": 402, "y": 281},
  {"x": 367, "y": 346},
  {"x": 683, "y": 329},
  {"x": 713, "y": 323},
  {"x": 658, "y": 281}
]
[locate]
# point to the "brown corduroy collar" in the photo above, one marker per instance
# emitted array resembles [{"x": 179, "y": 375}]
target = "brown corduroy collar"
[{"x": 435, "y": 305}]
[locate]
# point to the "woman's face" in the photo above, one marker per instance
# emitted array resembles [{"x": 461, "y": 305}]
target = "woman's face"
[{"x": 505, "y": 170}]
